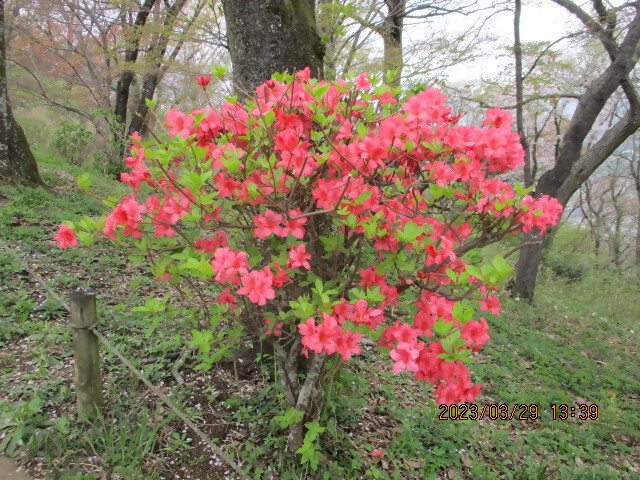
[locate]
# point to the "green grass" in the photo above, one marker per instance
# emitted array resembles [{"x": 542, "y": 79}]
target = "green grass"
[
  {"x": 37, "y": 407},
  {"x": 577, "y": 344}
]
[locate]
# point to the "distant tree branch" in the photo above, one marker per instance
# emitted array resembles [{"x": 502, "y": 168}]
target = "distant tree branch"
[
  {"x": 533, "y": 98},
  {"x": 543, "y": 52}
]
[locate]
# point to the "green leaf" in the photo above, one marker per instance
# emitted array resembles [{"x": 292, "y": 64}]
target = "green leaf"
[
  {"x": 152, "y": 305},
  {"x": 452, "y": 275},
  {"x": 84, "y": 238},
  {"x": 403, "y": 263},
  {"x": 252, "y": 188},
  {"x": 501, "y": 266},
  {"x": 461, "y": 313},
  {"x": 202, "y": 339},
  {"x": 192, "y": 180},
  {"x": 363, "y": 197},
  {"x": 442, "y": 327},
  {"x": 521, "y": 191},
  {"x": 330, "y": 243},
  {"x": 314, "y": 429},
  {"x": 231, "y": 163},
  {"x": 320, "y": 90},
  {"x": 309, "y": 454},
  {"x": 447, "y": 346},
  {"x": 464, "y": 353},
  {"x": 151, "y": 103},
  {"x": 475, "y": 271},
  {"x": 302, "y": 309},
  {"x": 489, "y": 273},
  {"x": 87, "y": 223},
  {"x": 409, "y": 233},
  {"x": 436, "y": 191},
  {"x": 219, "y": 71},
  {"x": 321, "y": 118},
  {"x": 500, "y": 205},
  {"x": 290, "y": 417},
  {"x": 269, "y": 117},
  {"x": 83, "y": 181},
  {"x": 436, "y": 147}
]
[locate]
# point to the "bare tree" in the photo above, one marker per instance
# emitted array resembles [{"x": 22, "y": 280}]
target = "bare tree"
[
  {"x": 633, "y": 167},
  {"x": 349, "y": 27},
  {"x": 16, "y": 158},
  {"x": 110, "y": 56},
  {"x": 574, "y": 164},
  {"x": 592, "y": 209}
]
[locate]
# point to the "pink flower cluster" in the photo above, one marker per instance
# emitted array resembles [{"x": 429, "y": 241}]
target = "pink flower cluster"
[{"x": 267, "y": 174}]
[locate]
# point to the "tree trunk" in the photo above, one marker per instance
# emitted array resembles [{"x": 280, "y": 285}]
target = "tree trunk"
[
  {"x": 517, "y": 51},
  {"x": 638, "y": 241},
  {"x": 392, "y": 39},
  {"x": 572, "y": 166},
  {"x": 148, "y": 89},
  {"x": 527, "y": 270},
  {"x": 156, "y": 55},
  {"x": 126, "y": 77},
  {"x": 634, "y": 170},
  {"x": 16, "y": 158},
  {"x": 267, "y": 36}
]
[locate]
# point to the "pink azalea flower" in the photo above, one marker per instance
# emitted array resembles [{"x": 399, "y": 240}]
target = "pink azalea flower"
[
  {"x": 203, "y": 80},
  {"x": 347, "y": 344},
  {"x": 298, "y": 257},
  {"x": 227, "y": 298},
  {"x": 405, "y": 356},
  {"x": 267, "y": 224},
  {"x": 475, "y": 333},
  {"x": 179, "y": 123},
  {"x": 362, "y": 82},
  {"x": 257, "y": 284},
  {"x": 66, "y": 237},
  {"x": 295, "y": 227}
]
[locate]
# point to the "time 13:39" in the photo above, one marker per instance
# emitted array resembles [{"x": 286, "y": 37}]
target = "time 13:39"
[{"x": 582, "y": 412}]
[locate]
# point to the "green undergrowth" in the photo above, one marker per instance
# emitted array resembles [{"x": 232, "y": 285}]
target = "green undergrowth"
[
  {"x": 37, "y": 409},
  {"x": 577, "y": 344},
  {"x": 569, "y": 348}
]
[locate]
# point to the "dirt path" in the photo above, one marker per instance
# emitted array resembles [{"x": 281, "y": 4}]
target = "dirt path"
[{"x": 8, "y": 470}]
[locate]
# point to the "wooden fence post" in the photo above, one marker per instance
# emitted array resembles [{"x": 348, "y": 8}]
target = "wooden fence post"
[{"x": 85, "y": 351}]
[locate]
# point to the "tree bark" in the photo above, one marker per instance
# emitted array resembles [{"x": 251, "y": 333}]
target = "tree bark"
[
  {"x": 16, "y": 158},
  {"x": 573, "y": 166},
  {"x": 126, "y": 77},
  {"x": 156, "y": 54},
  {"x": 267, "y": 36},
  {"x": 517, "y": 53},
  {"x": 392, "y": 39},
  {"x": 638, "y": 242},
  {"x": 634, "y": 170}
]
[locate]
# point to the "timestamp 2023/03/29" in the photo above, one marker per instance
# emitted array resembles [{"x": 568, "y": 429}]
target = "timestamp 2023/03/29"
[{"x": 519, "y": 411}]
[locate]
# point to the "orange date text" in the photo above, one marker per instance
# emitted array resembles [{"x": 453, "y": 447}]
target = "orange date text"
[{"x": 491, "y": 411}]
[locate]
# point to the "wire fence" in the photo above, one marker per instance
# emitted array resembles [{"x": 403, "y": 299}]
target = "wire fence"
[{"x": 163, "y": 397}]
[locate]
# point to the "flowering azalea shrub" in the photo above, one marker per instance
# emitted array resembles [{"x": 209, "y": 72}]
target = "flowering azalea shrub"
[{"x": 320, "y": 213}]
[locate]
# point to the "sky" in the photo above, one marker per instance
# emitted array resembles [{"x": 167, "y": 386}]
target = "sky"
[{"x": 540, "y": 21}]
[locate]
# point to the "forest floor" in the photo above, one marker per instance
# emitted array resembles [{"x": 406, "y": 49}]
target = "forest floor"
[{"x": 576, "y": 347}]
